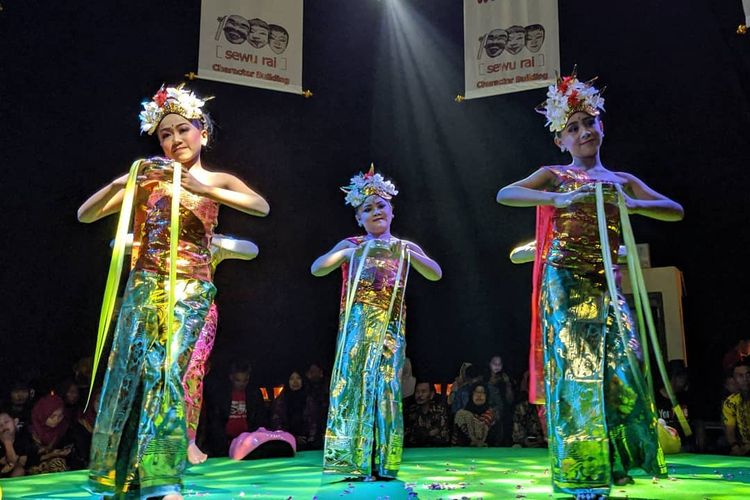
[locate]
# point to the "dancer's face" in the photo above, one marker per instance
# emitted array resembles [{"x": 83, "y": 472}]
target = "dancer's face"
[
  {"x": 479, "y": 396},
  {"x": 375, "y": 215},
  {"x": 180, "y": 139},
  {"x": 295, "y": 381},
  {"x": 582, "y": 135}
]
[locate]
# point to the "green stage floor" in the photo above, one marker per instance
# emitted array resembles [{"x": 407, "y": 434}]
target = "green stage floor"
[{"x": 504, "y": 473}]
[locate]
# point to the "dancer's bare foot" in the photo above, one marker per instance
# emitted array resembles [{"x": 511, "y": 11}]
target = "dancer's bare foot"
[
  {"x": 623, "y": 480},
  {"x": 173, "y": 496},
  {"x": 590, "y": 496},
  {"x": 195, "y": 455}
]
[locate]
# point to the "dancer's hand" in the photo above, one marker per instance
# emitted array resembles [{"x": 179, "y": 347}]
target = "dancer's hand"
[
  {"x": 189, "y": 182},
  {"x": 584, "y": 194},
  {"x": 378, "y": 248}
]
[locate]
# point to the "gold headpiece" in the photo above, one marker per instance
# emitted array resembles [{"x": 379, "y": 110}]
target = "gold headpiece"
[
  {"x": 569, "y": 96},
  {"x": 171, "y": 100},
  {"x": 363, "y": 185}
]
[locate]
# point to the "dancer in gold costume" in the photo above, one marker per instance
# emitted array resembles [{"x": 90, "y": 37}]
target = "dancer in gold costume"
[
  {"x": 600, "y": 416},
  {"x": 139, "y": 442},
  {"x": 365, "y": 424}
]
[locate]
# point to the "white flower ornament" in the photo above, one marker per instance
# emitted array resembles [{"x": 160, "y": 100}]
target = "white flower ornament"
[{"x": 363, "y": 185}]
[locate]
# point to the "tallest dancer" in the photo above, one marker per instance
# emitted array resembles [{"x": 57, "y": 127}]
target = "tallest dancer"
[
  {"x": 139, "y": 443},
  {"x": 600, "y": 415}
]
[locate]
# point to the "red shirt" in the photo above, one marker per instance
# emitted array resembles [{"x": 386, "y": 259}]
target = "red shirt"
[{"x": 237, "y": 423}]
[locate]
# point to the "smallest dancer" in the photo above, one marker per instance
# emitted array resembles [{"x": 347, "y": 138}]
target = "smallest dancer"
[{"x": 365, "y": 428}]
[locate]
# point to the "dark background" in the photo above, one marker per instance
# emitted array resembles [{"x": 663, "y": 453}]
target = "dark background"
[{"x": 384, "y": 76}]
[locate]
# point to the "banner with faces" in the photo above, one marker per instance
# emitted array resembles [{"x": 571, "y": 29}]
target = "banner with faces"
[
  {"x": 256, "y": 43},
  {"x": 509, "y": 45}
]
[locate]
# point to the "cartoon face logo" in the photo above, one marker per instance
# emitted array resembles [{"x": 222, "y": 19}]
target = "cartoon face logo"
[
  {"x": 258, "y": 36},
  {"x": 495, "y": 42},
  {"x": 516, "y": 39},
  {"x": 236, "y": 29},
  {"x": 534, "y": 37},
  {"x": 278, "y": 39}
]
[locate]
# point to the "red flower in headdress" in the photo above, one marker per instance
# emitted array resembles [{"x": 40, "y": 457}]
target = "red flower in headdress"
[
  {"x": 573, "y": 99},
  {"x": 563, "y": 85},
  {"x": 161, "y": 97}
]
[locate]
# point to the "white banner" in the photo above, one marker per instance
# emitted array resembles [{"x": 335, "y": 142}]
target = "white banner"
[
  {"x": 252, "y": 42},
  {"x": 510, "y": 45}
]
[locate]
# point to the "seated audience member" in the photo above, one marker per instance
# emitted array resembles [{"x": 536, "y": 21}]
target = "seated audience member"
[
  {"x": 70, "y": 393},
  {"x": 736, "y": 412},
  {"x": 16, "y": 451},
  {"x": 233, "y": 408},
  {"x": 20, "y": 402},
  {"x": 678, "y": 379},
  {"x": 317, "y": 389},
  {"x": 426, "y": 420},
  {"x": 82, "y": 373},
  {"x": 528, "y": 431},
  {"x": 408, "y": 380},
  {"x": 294, "y": 411},
  {"x": 474, "y": 423},
  {"x": 501, "y": 394},
  {"x": 739, "y": 352},
  {"x": 462, "y": 396},
  {"x": 458, "y": 382},
  {"x": 49, "y": 428}
]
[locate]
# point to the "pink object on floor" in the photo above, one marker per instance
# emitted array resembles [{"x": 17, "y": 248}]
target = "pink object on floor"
[{"x": 246, "y": 442}]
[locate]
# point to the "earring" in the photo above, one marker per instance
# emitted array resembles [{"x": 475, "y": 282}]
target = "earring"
[{"x": 562, "y": 148}]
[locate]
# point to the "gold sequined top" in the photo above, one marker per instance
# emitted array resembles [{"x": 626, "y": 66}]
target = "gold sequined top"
[
  {"x": 198, "y": 217},
  {"x": 377, "y": 281},
  {"x": 575, "y": 230}
]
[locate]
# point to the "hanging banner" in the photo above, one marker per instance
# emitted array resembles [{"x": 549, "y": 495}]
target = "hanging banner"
[
  {"x": 256, "y": 43},
  {"x": 510, "y": 45}
]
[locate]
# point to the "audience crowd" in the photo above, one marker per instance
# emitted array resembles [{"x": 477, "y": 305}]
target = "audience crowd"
[{"x": 483, "y": 406}]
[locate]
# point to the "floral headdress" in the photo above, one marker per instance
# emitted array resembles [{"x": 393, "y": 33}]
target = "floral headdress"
[
  {"x": 171, "y": 100},
  {"x": 568, "y": 96},
  {"x": 363, "y": 185}
]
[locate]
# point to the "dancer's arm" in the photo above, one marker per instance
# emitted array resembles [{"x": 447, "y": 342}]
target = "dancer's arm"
[
  {"x": 231, "y": 248},
  {"x": 104, "y": 202},
  {"x": 532, "y": 191},
  {"x": 641, "y": 199},
  {"x": 423, "y": 264},
  {"x": 230, "y": 191},
  {"x": 523, "y": 253},
  {"x": 333, "y": 258}
]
